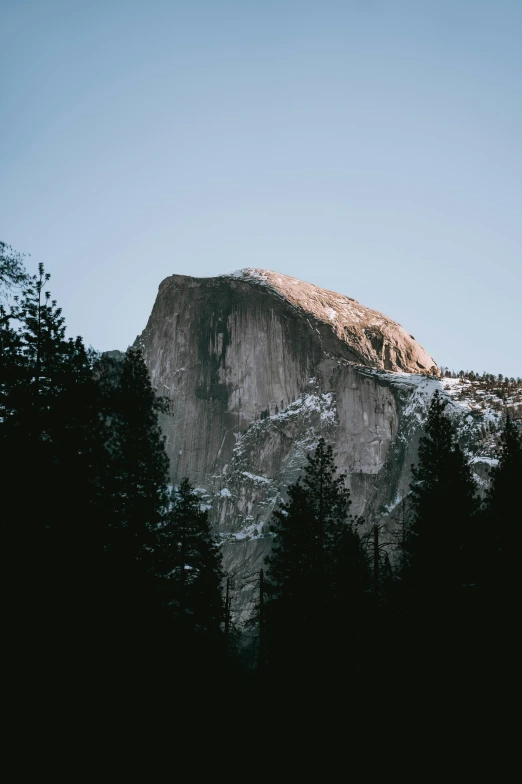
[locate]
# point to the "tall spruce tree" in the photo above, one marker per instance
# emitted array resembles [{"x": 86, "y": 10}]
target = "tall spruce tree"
[
  {"x": 12, "y": 270},
  {"x": 12, "y": 277},
  {"x": 503, "y": 520},
  {"x": 440, "y": 540},
  {"x": 50, "y": 444},
  {"x": 503, "y": 498},
  {"x": 317, "y": 572},
  {"x": 439, "y": 593},
  {"x": 135, "y": 491},
  {"x": 190, "y": 563},
  {"x": 10, "y": 363},
  {"x": 48, "y": 418},
  {"x": 501, "y": 588}
]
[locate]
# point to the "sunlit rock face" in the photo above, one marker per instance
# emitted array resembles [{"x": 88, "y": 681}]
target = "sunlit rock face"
[
  {"x": 257, "y": 367},
  {"x": 371, "y": 338}
]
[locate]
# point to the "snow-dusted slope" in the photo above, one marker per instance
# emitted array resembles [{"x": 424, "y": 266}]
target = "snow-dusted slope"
[{"x": 258, "y": 366}]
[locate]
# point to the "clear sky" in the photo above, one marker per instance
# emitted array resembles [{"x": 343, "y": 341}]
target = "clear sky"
[{"x": 373, "y": 147}]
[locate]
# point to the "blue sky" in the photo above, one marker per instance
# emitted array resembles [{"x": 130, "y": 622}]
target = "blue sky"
[{"x": 369, "y": 146}]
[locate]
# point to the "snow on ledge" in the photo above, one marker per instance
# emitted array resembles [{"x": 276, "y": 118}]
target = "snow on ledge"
[{"x": 254, "y": 478}]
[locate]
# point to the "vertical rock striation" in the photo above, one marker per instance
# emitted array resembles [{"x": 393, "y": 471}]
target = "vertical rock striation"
[{"x": 257, "y": 366}]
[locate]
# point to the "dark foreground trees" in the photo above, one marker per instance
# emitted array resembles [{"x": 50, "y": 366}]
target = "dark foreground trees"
[
  {"x": 50, "y": 446},
  {"x": 162, "y": 569},
  {"x": 110, "y": 577},
  {"x": 317, "y": 577},
  {"x": 439, "y": 582},
  {"x": 503, "y": 508},
  {"x": 501, "y": 590},
  {"x": 441, "y": 538},
  {"x": 189, "y": 563},
  {"x": 12, "y": 269},
  {"x": 84, "y": 504},
  {"x": 453, "y": 606},
  {"x": 133, "y": 500}
]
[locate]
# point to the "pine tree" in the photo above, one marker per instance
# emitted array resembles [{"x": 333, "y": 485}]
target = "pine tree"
[
  {"x": 12, "y": 276},
  {"x": 439, "y": 592},
  {"x": 402, "y": 517},
  {"x": 10, "y": 361},
  {"x": 317, "y": 569},
  {"x": 439, "y": 545},
  {"x": 503, "y": 518},
  {"x": 48, "y": 418},
  {"x": 135, "y": 490},
  {"x": 382, "y": 573},
  {"x": 309, "y": 528},
  {"x": 12, "y": 270},
  {"x": 354, "y": 582},
  {"x": 190, "y": 562},
  {"x": 50, "y": 445},
  {"x": 503, "y": 500}
]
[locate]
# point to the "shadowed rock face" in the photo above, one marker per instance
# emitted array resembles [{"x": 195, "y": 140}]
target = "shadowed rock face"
[{"x": 257, "y": 366}]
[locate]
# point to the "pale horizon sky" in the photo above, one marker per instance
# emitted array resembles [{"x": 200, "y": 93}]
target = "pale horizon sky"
[{"x": 372, "y": 147}]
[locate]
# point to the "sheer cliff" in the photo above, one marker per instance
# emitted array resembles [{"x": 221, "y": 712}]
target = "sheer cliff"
[{"x": 257, "y": 366}]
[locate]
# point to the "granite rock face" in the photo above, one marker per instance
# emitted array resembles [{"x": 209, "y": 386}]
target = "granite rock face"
[{"x": 257, "y": 367}]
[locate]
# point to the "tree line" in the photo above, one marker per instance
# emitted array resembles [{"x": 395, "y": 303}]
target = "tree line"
[
  {"x": 428, "y": 599},
  {"x": 103, "y": 561},
  {"x": 484, "y": 377},
  {"x": 85, "y": 474}
]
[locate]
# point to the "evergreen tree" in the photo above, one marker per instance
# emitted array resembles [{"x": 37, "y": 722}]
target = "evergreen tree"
[
  {"x": 12, "y": 276},
  {"x": 48, "y": 417},
  {"x": 439, "y": 593},
  {"x": 135, "y": 490},
  {"x": 10, "y": 361},
  {"x": 317, "y": 571},
  {"x": 12, "y": 270},
  {"x": 382, "y": 574},
  {"x": 50, "y": 446},
  {"x": 503, "y": 520},
  {"x": 353, "y": 583},
  {"x": 440, "y": 541},
  {"x": 309, "y": 529},
  {"x": 190, "y": 562},
  {"x": 402, "y": 517},
  {"x": 503, "y": 499}
]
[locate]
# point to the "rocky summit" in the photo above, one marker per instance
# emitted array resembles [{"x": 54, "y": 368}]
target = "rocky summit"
[{"x": 257, "y": 366}]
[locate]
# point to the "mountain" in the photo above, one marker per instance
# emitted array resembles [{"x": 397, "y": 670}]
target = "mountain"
[{"x": 257, "y": 366}]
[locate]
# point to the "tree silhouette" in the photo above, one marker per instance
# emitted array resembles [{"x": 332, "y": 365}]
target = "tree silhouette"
[
  {"x": 135, "y": 494},
  {"x": 191, "y": 562},
  {"x": 439, "y": 544},
  {"x": 317, "y": 572},
  {"x": 503, "y": 528},
  {"x": 50, "y": 445},
  {"x": 439, "y": 588},
  {"x": 12, "y": 270}
]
